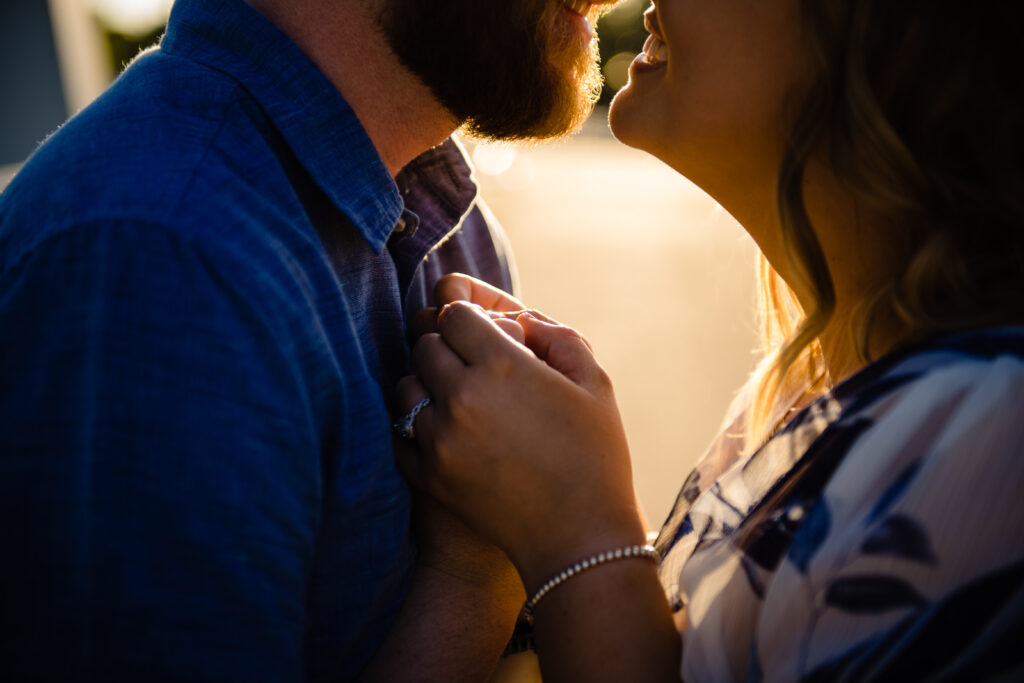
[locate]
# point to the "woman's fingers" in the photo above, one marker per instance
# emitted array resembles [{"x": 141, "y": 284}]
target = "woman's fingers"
[
  {"x": 409, "y": 393},
  {"x": 436, "y": 365},
  {"x": 510, "y": 441},
  {"x": 565, "y": 350},
  {"x": 423, "y": 321},
  {"x": 510, "y": 327},
  {"x": 459, "y": 287},
  {"x": 474, "y": 336},
  {"x": 478, "y": 337}
]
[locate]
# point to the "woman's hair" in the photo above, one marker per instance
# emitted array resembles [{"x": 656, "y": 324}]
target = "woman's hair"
[{"x": 917, "y": 108}]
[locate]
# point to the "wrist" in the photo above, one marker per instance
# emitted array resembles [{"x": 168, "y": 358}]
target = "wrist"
[
  {"x": 493, "y": 579},
  {"x": 542, "y": 563},
  {"x": 633, "y": 552}
]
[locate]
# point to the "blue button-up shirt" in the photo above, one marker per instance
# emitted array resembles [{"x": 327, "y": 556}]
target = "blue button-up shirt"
[{"x": 202, "y": 298}]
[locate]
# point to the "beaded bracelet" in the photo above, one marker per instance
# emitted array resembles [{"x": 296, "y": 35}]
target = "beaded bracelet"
[{"x": 647, "y": 551}]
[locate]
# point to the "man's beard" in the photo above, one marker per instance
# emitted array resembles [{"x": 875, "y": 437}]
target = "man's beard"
[{"x": 510, "y": 70}]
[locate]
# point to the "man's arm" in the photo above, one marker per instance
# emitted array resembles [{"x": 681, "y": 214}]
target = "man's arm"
[
  {"x": 158, "y": 477},
  {"x": 460, "y": 610}
]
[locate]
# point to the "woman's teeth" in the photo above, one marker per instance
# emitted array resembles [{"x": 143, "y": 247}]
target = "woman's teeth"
[{"x": 655, "y": 51}]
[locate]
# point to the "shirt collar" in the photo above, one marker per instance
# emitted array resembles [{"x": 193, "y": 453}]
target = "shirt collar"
[
  {"x": 317, "y": 123},
  {"x": 438, "y": 188}
]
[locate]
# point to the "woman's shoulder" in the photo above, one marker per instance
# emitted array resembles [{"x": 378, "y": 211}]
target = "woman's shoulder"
[
  {"x": 908, "y": 559},
  {"x": 938, "y": 427},
  {"x": 975, "y": 376}
]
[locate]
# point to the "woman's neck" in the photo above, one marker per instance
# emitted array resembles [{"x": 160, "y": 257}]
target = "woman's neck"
[
  {"x": 857, "y": 248},
  {"x": 859, "y": 251}
]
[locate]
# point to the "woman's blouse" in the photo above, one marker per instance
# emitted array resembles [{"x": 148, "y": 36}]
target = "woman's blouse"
[{"x": 879, "y": 535}]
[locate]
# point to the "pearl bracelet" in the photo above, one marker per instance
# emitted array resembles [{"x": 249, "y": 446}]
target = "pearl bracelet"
[{"x": 647, "y": 551}]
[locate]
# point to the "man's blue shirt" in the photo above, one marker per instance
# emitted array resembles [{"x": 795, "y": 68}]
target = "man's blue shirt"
[{"x": 202, "y": 305}]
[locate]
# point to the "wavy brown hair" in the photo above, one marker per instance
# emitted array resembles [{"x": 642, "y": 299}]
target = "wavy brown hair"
[{"x": 917, "y": 107}]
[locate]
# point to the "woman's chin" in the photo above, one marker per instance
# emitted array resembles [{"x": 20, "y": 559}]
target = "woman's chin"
[
  {"x": 626, "y": 119},
  {"x": 619, "y": 115}
]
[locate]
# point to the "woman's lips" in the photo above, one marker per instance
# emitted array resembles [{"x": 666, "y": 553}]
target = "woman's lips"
[{"x": 655, "y": 53}]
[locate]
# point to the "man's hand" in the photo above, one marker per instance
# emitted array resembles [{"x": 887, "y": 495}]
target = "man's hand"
[
  {"x": 461, "y": 607},
  {"x": 447, "y": 546}
]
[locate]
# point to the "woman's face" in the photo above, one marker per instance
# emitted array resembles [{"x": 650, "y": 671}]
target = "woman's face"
[{"x": 708, "y": 94}]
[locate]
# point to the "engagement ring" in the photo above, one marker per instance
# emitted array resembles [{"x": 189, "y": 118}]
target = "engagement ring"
[{"x": 405, "y": 426}]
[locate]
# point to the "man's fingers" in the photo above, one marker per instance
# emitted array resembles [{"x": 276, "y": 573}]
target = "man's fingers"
[{"x": 459, "y": 287}]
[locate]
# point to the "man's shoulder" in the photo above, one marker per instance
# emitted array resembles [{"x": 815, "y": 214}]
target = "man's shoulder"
[{"x": 164, "y": 144}]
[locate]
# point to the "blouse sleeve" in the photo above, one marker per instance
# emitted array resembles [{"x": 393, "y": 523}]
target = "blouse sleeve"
[{"x": 910, "y": 566}]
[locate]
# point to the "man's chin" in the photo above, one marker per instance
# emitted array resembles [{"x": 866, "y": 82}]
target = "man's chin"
[
  {"x": 569, "y": 104},
  {"x": 559, "y": 125},
  {"x": 516, "y": 80}
]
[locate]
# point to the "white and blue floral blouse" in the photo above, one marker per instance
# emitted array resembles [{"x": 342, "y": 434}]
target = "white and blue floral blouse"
[{"x": 879, "y": 535}]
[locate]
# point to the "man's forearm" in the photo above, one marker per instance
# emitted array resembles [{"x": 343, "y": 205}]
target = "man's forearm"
[{"x": 449, "y": 629}]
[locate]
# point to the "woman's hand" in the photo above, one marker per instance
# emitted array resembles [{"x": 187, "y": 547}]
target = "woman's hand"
[
  {"x": 524, "y": 442},
  {"x": 522, "y": 439},
  {"x": 459, "y": 287}
]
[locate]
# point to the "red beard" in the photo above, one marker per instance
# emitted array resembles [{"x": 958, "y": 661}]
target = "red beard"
[{"x": 512, "y": 70}]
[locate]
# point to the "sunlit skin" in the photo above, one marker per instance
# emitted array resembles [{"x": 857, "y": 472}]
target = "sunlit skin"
[
  {"x": 340, "y": 36},
  {"x": 522, "y": 438},
  {"x": 711, "y": 106},
  {"x": 716, "y": 107},
  {"x": 462, "y": 583},
  {"x": 399, "y": 111}
]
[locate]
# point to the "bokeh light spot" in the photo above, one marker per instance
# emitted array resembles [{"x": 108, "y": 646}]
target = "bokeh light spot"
[
  {"x": 493, "y": 159},
  {"x": 616, "y": 70},
  {"x": 132, "y": 17}
]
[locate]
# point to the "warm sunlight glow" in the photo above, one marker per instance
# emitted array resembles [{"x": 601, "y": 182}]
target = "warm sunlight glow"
[{"x": 131, "y": 17}]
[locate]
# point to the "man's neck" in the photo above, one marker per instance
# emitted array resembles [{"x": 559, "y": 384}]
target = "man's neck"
[{"x": 400, "y": 114}]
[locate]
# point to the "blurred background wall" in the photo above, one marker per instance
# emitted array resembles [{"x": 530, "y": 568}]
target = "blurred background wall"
[
  {"x": 40, "y": 103},
  {"x": 608, "y": 239}
]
